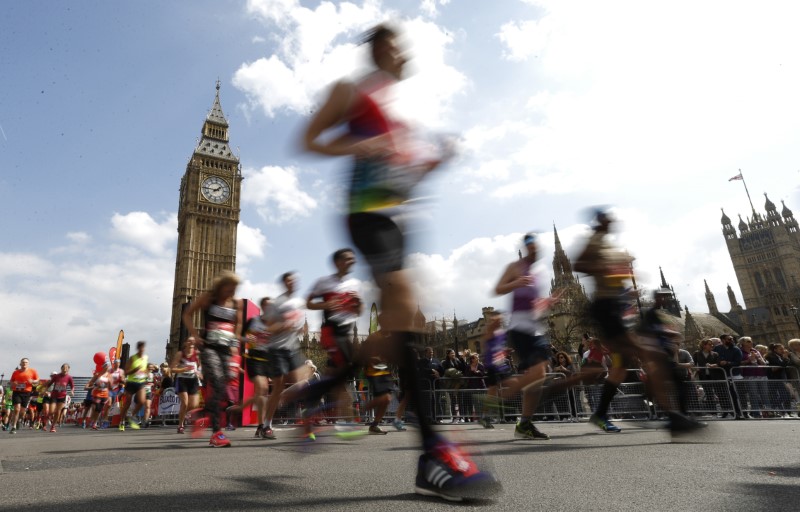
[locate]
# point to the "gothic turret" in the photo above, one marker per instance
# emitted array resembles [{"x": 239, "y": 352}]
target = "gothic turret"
[
  {"x": 214, "y": 140},
  {"x": 692, "y": 332},
  {"x": 743, "y": 228},
  {"x": 710, "y": 300},
  {"x": 786, "y": 212},
  {"x": 732, "y": 298},
  {"x": 788, "y": 219},
  {"x": 727, "y": 228},
  {"x": 673, "y": 305},
  {"x": 773, "y": 217},
  {"x": 562, "y": 267}
]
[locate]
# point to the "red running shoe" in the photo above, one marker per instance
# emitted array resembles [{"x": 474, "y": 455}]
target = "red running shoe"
[
  {"x": 219, "y": 440},
  {"x": 198, "y": 426}
]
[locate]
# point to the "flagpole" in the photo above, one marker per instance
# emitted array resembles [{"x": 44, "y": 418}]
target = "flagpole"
[{"x": 746, "y": 191}]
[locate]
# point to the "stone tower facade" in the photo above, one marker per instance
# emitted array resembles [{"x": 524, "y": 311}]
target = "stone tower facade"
[
  {"x": 208, "y": 217},
  {"x": 567, "y": 320},
  {"x": 672, "y": 304},
  {"x": 765, "y": 253}
]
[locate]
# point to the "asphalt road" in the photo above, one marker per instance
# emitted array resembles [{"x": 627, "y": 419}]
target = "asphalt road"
[{"x": 735, "y": 465}]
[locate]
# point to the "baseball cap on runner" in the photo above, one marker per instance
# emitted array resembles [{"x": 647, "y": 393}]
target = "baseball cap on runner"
[{"x": 529, "y": 238}]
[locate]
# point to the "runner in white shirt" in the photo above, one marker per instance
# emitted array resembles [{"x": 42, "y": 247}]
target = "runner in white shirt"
[{"x": 284, "y": 321}]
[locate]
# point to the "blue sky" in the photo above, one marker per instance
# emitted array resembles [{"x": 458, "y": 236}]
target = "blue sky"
[{"x": 559, "y": 105}]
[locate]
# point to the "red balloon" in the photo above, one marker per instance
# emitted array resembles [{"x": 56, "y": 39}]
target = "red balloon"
[{"x": 99, "y": 358}]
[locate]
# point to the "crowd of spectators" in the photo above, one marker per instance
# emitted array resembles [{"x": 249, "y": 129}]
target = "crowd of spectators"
[{"x": 737, "y": 376}]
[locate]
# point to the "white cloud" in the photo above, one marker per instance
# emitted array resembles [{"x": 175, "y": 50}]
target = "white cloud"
[
  {"x": 23, "y": 264},
  {"x": 430, "y": 7},
  {"x": 66, "y": 306},
  {"x": 622, "y": 101},
  {"x": 79, "y": 237},
  {"x": 316, "y": 47},
  {"x": 250, "y": 244},
  {"x": 141, "y": 230},
  {"x": 524, "y": 38},
  {"x": 276, "y": 194}
]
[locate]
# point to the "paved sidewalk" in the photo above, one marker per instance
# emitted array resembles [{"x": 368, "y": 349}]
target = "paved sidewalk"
[{"x": 742, "y": 465}]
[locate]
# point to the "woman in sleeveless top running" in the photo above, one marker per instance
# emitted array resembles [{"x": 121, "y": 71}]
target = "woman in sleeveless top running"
[
  {"x": 185, "y": 367},
  {"x": 99, "y": 386},
  {"x": 222, "y": 323}
]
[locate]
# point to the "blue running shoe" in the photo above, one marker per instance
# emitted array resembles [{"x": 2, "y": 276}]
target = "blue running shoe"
[{"x": 604, "y": 423}]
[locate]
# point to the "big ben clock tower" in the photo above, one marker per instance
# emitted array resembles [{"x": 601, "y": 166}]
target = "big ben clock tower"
[{"x": 208, "y": 215}]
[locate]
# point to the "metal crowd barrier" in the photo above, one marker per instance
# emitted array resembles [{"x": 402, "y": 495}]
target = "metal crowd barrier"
[
  {"x": 760, "y": 395},
  {"x": 711, "y": 393},
  {"x": 708, "y": 393}
]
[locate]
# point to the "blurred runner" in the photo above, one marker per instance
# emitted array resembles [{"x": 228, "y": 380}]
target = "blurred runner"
[
  {"x": 387, "y": 165},
  {"x": 99, "y": 386},
  {"x": 135, "y": 380},
  {"x": 22, "y": 382},
  {"x": 611, "y": 269},
  {"x": 185, "y": 366},
  {"x": 526, "y": 335},
  {"x": 223, "y": 320},
  {"x": 284, "y": 321},
  {"x": 62, "y": 383}
]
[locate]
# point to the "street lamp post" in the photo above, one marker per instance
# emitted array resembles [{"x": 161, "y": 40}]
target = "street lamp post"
[{"x": 794, "y": 309}]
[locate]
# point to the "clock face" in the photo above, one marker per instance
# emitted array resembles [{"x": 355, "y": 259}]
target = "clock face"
[{"x": 216, "y": 190}]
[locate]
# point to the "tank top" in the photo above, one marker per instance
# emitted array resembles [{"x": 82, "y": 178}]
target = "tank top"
[
  {"x": 139, "y": 368},
  {"x": 148, "y": 383},
  {"x": 61, "y": 383},
  {"x": 379, "y": 183},
  {"x": 257, "y": 337},
  {"x": 220, "y": 325},
  {"x": 494, "y": 357},
  {"x": 101, "y": 385},
  {"x": 116, "y": 378},
  {"x": 524, "y": 317},
  {"x": 188, "y": 362}
]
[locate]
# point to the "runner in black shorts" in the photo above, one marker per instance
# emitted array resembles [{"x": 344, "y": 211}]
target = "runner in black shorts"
[
  {"x": 256, "y": 340},
  {"x": 337, "y": 297},
  {"x": 284, "y": 321},
  {"x": 611, "y": 269},
  {"x": 526, "y": 335},
  {"x": 387, "y": 165}
]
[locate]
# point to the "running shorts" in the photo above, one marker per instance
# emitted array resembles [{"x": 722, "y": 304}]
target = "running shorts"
[
  {"x": 257, "y": 364},
  {"x": 380, "y": 385},
  {"x": 99, "y": 404},
  {"x": 379, "y": 239},
  {"x": 187, "y": 385},
  {"x": 21, "y": 399},
  {"x": 607, "y": 314},
  {"x": 133, "y": 387},
  {"x": 530, "y": 349},
  {"x": 282, "y": 361}
]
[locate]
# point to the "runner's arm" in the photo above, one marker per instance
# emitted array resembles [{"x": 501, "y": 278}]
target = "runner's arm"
[
  {"x": 198, "y": 304},
  {"x": 586, "y": 261},
  {"x": 509, "y": 281},
  {"x": 331, "y": 114},
  {"x": 176, "y": 359}
]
